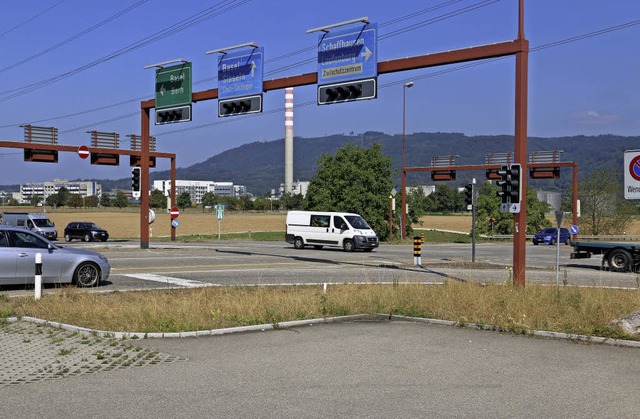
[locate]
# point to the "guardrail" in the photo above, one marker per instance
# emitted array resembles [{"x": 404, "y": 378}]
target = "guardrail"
[{"x": 581, "y": 237}]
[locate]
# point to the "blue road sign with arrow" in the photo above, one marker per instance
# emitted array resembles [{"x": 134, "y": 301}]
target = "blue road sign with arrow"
[
  {"x": 346, "y": 55},
  {"x": 241, "y": 73}
]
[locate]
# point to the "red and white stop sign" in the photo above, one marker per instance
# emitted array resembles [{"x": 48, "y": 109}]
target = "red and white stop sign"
[
  {"x": 83, "y": 151},
  {"x": 175, "y": 212}
]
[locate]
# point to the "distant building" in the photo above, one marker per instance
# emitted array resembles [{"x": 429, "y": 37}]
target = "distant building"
[
  {"x": 45, "y": 189},
  {"x": 297, "y": 188},
  {"x": 426, "y": 189},
  {"x": 197, "y": 188},
  {"x": 554, "y": 199}
]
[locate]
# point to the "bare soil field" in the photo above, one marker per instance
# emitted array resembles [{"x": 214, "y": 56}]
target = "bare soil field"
[{"x": 125, "y": 223}]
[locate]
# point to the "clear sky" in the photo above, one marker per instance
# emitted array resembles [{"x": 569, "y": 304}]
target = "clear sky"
[{"x": 62, "y": 59}]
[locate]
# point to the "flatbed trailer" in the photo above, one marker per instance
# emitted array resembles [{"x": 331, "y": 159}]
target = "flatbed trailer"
[{"x": 621, "y": 257}]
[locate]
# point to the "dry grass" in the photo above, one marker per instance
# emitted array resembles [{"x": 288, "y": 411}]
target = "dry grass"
[{"x": 569, "y": 309}]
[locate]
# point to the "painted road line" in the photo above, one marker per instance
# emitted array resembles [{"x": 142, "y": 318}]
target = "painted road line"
[{"x": 187, "y": 283}]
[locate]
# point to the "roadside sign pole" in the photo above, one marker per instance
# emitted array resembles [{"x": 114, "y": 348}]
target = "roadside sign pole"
[
  {"x": 559, "y": 215},
  {"x": 473, "y": 220}
]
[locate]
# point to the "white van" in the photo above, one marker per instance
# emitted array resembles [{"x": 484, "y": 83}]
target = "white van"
[
  {"x": 318, "y": 229},
  {"x": 34, "y": 221}
]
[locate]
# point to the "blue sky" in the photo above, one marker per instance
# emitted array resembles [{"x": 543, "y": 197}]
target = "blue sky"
[{"x": 585, "y": 87}]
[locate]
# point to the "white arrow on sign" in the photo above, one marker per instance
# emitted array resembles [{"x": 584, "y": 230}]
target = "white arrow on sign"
[
  {"x": 367, "y": 53},
  {"x": 162, "y": 89},
  {"x": 253, "y": 68}
]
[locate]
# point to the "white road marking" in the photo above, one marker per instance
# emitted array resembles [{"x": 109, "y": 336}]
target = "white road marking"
[{"x": 187, "y": 283}]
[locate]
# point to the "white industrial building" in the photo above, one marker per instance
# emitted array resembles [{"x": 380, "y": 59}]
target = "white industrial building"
[
  {"x": 197, "y": 188},
  {"x": 44, "y": 189}
]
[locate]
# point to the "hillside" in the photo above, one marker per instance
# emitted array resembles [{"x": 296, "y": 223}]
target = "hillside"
[{"x": 260, "y": 165}]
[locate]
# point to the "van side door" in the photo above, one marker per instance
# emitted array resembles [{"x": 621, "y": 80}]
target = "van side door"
[
  {"x": 320, "y": 233},
  {"x": 339, "y": 228}
]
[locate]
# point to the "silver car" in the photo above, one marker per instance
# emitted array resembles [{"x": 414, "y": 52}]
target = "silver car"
[{"x": 18, "y": 248}]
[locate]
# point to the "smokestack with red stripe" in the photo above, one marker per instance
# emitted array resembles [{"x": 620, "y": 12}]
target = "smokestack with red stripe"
[{"x": 288, "y": 140}]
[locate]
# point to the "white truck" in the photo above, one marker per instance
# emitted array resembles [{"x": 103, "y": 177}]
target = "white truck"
[
  {"x": 34, "y": 221},
  {"x": 319, "y": 229}
]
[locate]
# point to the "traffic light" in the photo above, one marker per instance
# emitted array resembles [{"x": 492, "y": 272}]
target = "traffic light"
[
  {"x": 503, "y": 193},
  {"x": 515, "y": 186},
  {"x": 468, "y": 196},
  {"x": 135, "y": 179},
  {"x": 240, "y": 105},
  {"x": 347, "y": 91},
  {"x": 172, "y": 115}
]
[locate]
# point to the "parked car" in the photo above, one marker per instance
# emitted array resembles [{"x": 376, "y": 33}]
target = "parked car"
[
  {"x": 86, "y": 231},
  {"x": 550, "y": 235},
  {"x": 18, "y": 248}
]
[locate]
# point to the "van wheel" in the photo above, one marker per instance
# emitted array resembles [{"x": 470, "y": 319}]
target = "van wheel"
[
  {"x": 298, "y": 243},
  {"x": 348, "y": 246},
  {"x": 67, "y": 238}
]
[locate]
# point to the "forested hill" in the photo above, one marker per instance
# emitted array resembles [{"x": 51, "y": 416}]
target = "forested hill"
[{"x": 260, "y": 165}]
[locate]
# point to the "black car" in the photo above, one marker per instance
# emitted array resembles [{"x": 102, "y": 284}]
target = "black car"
[{"x": 86, "y": 231}]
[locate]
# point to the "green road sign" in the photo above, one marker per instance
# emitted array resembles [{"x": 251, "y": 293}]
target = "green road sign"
[{"x": 173, "y": 86}]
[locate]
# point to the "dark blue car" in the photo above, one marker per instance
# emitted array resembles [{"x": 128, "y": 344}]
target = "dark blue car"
[{"x": 550, "y": 236}]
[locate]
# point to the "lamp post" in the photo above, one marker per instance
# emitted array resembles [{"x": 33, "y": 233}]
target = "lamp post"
[{"x": 403, "y": 210}]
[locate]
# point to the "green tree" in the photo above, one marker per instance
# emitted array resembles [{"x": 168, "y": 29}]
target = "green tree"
[
  {"x": 491, "y": 220},
  {"x": 292, "y": 202},
  {"x": 105, "y": 200},
  {"x": 419, "y": 205},
  {"x": 603, "y": 207},
  {"x": 121, "y": 200},
  {"x": 184, "y": 200},
  {"x": 52, "y": 200},
  {"x": 447, "y": 199},
  {"x": 208, "y": 200},
  {"x": 157, "y": 199},
  {"x": 91, "y": 201},
  {"x": 63, "y": 196},
  {"x": 35, "y": 200},
  {"x": 355, "y": 179},
  {"x": 75, "y": 201}
]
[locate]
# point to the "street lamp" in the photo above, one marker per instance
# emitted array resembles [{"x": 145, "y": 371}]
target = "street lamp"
[{"x": 403, "y": 210}]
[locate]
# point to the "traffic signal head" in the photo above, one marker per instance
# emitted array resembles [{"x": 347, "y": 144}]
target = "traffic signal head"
[
  {"x": 503, "y": 183},
  {"x": 240, "y": 105},
  {"x": 135, "y": 179},
  {"x": 171, "y": 115},
  {"x": 468, "y": 195},
  {"x": 515, "y": 184},
  {"x": 347, "y": 91}
]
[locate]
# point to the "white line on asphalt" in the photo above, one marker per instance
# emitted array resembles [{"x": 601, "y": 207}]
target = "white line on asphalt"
[{"x": 170, "y": 280}]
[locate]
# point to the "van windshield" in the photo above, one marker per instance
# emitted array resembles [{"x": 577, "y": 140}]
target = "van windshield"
[
  {"x": 43, "y": 222},
  {"x": 357, "y": 222}
]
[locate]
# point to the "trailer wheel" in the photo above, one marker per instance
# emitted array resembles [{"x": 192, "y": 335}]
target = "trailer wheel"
[
  {"x": 620, "y": 260},
  {"x": 298, "y": 243}
]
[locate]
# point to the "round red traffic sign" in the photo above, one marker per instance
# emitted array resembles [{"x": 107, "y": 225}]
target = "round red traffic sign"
[
  {"x": 175, "y": 212},
  {"x": 83, "y": 151}
]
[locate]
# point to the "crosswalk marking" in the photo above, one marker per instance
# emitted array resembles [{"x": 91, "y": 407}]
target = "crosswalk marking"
[{"x": 187, "y": 283}]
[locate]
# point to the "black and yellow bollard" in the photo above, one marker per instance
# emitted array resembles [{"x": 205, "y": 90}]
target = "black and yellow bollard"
[
  {"x": 422, "y": 237},
  {"x": 417, "y": 245}
]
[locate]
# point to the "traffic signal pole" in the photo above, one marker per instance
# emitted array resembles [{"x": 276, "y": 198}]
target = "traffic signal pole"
[{"x": 520, "y": 150}]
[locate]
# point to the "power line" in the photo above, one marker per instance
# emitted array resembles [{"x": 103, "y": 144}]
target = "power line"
[
  {"x": 74, "y": 37},
  {"x": 178, "y": 27},
  {"x": 272, "y": 72},
  {"x": 31, "y": 18}
]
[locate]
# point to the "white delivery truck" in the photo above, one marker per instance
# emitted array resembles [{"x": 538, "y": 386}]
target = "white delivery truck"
[
  {"x": 318, "y": 229},
  {"x": 34, "y": 221}
]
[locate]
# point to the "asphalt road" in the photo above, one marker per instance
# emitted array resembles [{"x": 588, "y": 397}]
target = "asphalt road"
[
  {"x": 168, "y": 265},
  {"x": 367, "y": 369}
]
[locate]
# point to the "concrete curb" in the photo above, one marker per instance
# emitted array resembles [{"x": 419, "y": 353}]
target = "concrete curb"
[{"x": 328, "y": 320}]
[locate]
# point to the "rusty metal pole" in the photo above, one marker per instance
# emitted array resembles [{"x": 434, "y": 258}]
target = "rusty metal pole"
[
  {"x": 144, "y": 179},
  {"x": 574, "y": 197},
  {"x": 173, "y": 196},
  {"x": 520, "y": 148}
]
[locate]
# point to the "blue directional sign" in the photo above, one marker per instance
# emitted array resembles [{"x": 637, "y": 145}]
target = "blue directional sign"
[
  {"x": 348, "y": 55},
  {"x": 573, "y": 229},
  {"x": 175, "y": 223},
  {"x": 241, "y": 73}
]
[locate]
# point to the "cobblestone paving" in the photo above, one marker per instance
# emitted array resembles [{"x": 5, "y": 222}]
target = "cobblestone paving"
[{"x": 33, "y": 352}]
